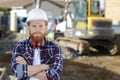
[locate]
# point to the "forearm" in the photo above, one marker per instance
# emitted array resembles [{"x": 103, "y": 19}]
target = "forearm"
[
  {"x": 34, "y": 69},
  {"x": 19, "y": 70},
  {"x": 23, "y": 70},
  {"x": 41, "y": 75}
]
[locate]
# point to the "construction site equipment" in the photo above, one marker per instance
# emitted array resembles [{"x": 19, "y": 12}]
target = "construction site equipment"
[{"x": 88, "y": 29}]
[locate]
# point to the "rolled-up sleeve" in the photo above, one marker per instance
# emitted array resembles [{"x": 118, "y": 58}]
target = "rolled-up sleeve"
[
  {"x": 19, "y": 70},
  {"x": 55, "y": 72}
]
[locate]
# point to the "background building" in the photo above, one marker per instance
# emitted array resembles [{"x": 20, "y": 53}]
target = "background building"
[{"x": 112, "y": 10}]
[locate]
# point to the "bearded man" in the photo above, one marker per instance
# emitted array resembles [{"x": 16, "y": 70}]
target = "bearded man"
[{"x": 37, "y": 58}]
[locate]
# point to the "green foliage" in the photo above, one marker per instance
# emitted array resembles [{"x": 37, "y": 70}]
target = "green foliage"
[{"x": 5, "y": 10}]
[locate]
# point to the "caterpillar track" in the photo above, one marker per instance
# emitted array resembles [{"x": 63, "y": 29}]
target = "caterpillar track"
[{"x": 83, "y": 47}]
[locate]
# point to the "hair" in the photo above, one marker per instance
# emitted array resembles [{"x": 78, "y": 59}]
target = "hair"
[{"x": 46, "y": 23}]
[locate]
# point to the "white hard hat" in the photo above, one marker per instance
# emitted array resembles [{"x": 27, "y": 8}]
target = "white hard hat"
[{"x": 37, "y": 14}]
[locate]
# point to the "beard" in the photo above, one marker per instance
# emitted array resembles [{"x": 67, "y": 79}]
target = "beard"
[{"x": 37, "y": 36}]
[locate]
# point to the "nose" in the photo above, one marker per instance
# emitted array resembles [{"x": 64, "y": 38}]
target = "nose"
[{"x": 38, "y": 30}]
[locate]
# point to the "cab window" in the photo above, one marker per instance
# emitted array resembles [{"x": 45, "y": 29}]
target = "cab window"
[{"x": 94, "y": 7}]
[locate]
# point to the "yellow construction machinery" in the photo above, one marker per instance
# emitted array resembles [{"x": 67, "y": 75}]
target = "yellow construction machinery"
[{"x": 86, "y": 29}]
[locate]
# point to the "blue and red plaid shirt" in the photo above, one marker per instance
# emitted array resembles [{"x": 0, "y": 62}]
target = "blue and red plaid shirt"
[{"x": 50, "y": 53}]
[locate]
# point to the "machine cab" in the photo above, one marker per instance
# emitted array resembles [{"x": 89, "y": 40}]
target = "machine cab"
[{"x": 87, "y": 22}]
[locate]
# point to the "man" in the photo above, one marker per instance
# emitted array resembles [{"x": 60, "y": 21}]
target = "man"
[{"x": 37, "y": 58}]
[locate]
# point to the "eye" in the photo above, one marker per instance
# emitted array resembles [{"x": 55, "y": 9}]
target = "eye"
[{"x": 34, "y": 26}]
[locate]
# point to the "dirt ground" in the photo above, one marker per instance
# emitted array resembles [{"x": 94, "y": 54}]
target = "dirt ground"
[
  {"x": 103, "y": 67},
  {"x": 92, "y": 68}
]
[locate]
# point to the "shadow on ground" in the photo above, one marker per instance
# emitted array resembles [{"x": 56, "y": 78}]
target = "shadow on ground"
[{"x": 79, "y": 71}]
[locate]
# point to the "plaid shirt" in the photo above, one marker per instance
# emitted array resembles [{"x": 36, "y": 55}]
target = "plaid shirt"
[{"x": 50, "y": 53}]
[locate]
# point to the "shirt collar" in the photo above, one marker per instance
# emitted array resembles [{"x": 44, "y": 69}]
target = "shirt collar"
[{"x": 42, "y": 45}]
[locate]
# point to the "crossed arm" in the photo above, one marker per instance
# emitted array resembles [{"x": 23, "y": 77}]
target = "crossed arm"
[
  {"x": 23, "y": 70},
  {"x": 37, "y": 71}
]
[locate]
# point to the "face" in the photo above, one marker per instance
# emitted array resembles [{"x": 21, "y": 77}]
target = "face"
[{"x": 37, "y": 30}]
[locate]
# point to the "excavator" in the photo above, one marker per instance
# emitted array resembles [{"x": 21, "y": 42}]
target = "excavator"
[{"x": 86, "y": 28}]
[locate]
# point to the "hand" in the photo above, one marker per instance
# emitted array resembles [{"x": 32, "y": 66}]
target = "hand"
[
  {"x": 21, "y": 60},
  {"x": 45, "y": 66},
  {"x": 35, "y": 69},
  {"x": 41, "y": 75}
]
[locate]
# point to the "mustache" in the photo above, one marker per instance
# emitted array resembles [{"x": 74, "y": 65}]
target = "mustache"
[
  {"x": 37, "y": 36},
  {"x": 37, "y": 33}
]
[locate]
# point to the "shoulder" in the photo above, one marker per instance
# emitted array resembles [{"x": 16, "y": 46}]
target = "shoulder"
[
  {"x": 52, "y": 43},
  {"x": 22, "y": 43}
]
